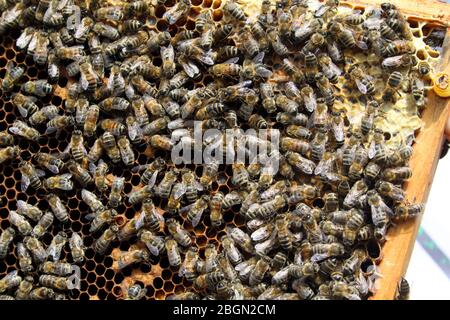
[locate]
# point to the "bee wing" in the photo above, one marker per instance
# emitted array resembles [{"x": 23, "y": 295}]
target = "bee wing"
[
  {"x": 372, "y": 150},
  {"x": 179, "y": 190},
  {"x": 173, "y": 14},
  {"x": 388, "y": 210},
  {"x": 319, "y": 257},
  {"x": 90, "y": 216},
  {"x": 392, "y": 62},
  {"x": 207, "y": 58},
  {"x": 186, "y": 208},
  {"x": 9, "y": 66},
  {"x": 310, "y": 102},
  {"x": 92, "y": 167},
  {"x": 197, "y": 185},
  {"x": 139, "y": 168},
  {"x": 25, "y": 183},
  {"x": 23, "y": 112},
  {"x": 232, "y": 60},
  {"x": 259, "y": 57},
  {"x": 21, "y": 205},
  {"x": 140, "y": 220},
  {"x": 261, "y": 234},
  {"x": 190, "y": 68},
  {"x": 322, "y": 166},
  {"x": 361, "y": 86},
  {"x": 134, "y": 131},
  {"x": 15, "y": 130},
  {"x": 362, "y": 45},
  {"x": 152, "y": 180},
  {"x": 153, "y": 249},
  {"x": 338, "y": 131},
  {"x": 40, "y": 173},
  {"x": 263, "y": 72}
]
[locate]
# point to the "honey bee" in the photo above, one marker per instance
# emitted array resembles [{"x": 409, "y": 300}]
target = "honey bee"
[
  {"x": 150, "y": 217},
  {"x": 277, "y": 45},
  {"x": 161, "y": 142},
  {"x": 215, "y": 208},
  {"x": 40, "y": 88},
  {"x": 397, "y": 174},
  {"x": 343, "y": 35},
  {"x": 196, "y": 210},
  {"x": 24, "y": 290},
  {"x": 88, "y": 77},
  {"x": 135, "y": 133},
  {"x": 151, "y": 171},
  {"x": 12, "y": 76},
  {"x": 59, "y": 123},
  {"x": 260, "y": 270},
  {"x": 418, "y": 92},
  {"x": 102, "y": 244},
  {"x": 168, "y": 61},
  {"x": 6, "y": 139},
  {"x": 9, "y": 153},
  {"x": 44, "y": 114},
  {"x": 55, "y": 247},
  {"x": 115, "y": 196},
  {"x": 379, "y": 210},
  {"x": 101, "y": 218},
  {"x": 362, "y": 80},
  {"x": 357, "y": 190},
  {"x": 188, "y": 267},
  {"x": 388, "y": 189},
  {"x": 403, "y": 290},
  {"x": 42, "y": 293},
  {"x": 28, "y": 210},
  {"x": 408, "y": 211},
  {"x": 30, "y": 176},
  {"x": 255, "y": 68},
  {"x": 154, "y": 243},
  {"x": 173, "y": 252},
  {"x": 36, "y": 248},
  {"x": 55, "y": 282},
  {"x": 43, "y": 224},
  {"x": 9, "y": 281},
  {"x": 19, "y": 221},
  {"x": 21, "y": 129},
  {"x": 302, "y": 164},
  {"x": 108, "y": 142},
  {"x": 90, "y": 123},
  {"x": 113, "y": 103},
  {"x": 390, "y": 92},
  {"x": 398, "y": 47},
  {"x": 61, "y": 182},
  {"x": 96, "y": 151},
  {"x": 178, "y": 11},
  {"x": 112, "y": 126},
  {"x": 359, "y": 163},
  {"x": 6, "y": 237},
  {"x": 165, "y": 186},
  {"x": 180, "y": 235},
  {"x": 126, "y": 151},
  {"x": 232, "y": 9},
  {"x": 227, "y": 69},
  {"x": 77, "y": 248},
  {"x": 92, "y": 201},
  {"x": 57, "y": 207},
  {"x": 25, "y": 104},
  {"x": 56, "y": 268},
  {"x": 79, "y": 173}
]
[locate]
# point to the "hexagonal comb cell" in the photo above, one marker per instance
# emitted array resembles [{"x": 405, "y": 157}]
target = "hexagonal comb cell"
[{"x": 110, "y": 276}]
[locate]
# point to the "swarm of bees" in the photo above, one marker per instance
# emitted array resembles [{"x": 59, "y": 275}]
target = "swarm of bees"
[{"x": 308, "y": 226}]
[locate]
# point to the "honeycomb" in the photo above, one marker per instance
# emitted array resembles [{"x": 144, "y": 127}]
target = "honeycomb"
[{"x": 99, "y": 278}]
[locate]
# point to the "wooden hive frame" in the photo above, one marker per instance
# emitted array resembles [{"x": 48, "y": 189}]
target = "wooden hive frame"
[{"x": 397, "y": 251}]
